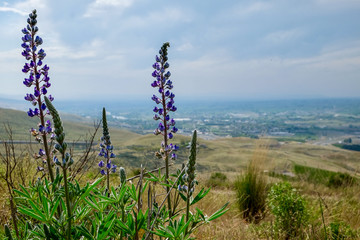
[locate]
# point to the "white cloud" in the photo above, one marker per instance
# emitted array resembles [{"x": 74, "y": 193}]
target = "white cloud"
[
  {"x": 14, "y": 10},
  {"x": 99, "y": 7},
  {"x": 331, "y": 74},
  {"x": 164, "y": 16},
  {"x": 58, "y": 50},
  {"x": 29, "y": 5}
]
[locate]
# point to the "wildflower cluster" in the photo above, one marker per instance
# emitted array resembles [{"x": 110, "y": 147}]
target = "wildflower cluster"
[
  {"x": 106, "y": 150},
  {"x": 166, "y": 126}
]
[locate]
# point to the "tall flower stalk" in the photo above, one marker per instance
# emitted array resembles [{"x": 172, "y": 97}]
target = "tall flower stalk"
[
  {"x": 38, "y": 79},
  {"x": 189, "y": 177},
  {"x": 165, "y": 101},
  {"x": 66, "y": 159},
  {"x": 106, "y": 151}
]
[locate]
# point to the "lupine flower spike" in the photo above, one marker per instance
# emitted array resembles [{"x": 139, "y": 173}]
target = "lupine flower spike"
[
  {"x": 165, "y": 102},
  {"x": 37, "y": 79},
  {"x": 66, "y": 159},
  {"x": 189, "y": 176},
  {"x": 122, "y": 175},
  {"x": 106, "y": 151}
]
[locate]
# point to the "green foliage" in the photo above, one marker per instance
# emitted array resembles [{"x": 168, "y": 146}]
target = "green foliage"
[
  {"x": 325, "y": 177},
  {"x": 339, "y": 230},
  {"x": 341, "y": 180},
  {"x": 217, "y": 179},
  {"x": 8, "y": 232},
  {"x": 251, "y": 192},
  {"x": 289, "y": 208},
  {"x": 352, "y": 147}
]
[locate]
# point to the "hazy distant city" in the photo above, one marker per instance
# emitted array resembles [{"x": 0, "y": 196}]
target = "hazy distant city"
[{"x": 324, "y": 120}]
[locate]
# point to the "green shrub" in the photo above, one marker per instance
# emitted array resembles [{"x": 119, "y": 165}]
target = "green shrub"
[
  {"x": 339, "y": 230},
  {"x": 251, "y": 191},
  {"x": 217, "y": 179},
  {"x": 289, "y": 209},
  {"x": 340, "y": 180},
  {"x": 328, "y": 178}
]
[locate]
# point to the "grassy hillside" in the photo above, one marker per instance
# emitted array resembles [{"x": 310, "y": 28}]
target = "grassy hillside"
[
  {"x": 76, "y": 130},
  {"x": 225, "y": 155}
]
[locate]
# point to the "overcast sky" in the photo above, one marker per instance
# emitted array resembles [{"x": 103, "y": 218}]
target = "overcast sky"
[{"x": 104, "y": 49}]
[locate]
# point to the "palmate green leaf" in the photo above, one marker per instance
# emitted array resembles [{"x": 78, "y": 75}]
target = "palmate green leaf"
[
  {"x": 29, "y": 212},
  {"x": 46, "y": 206},
  {"x": 81, "y": 213},
  {"x": 144, "y": 187},
  {"x": 109, "y": 223},
  {"x": 36, "y": 209},
  {"x": 128, "y": 227},
  {"x": 28, "y": 227},
  {"x": 94, "y": 205},
  {"x": 200, "y": 212},
  {"x": 24, "y": 193},
  {"x": 175, "y": 230},
  {"x": 219, "y": 212},
  {"x": 199, "y": 196},
  {"x": 133, "y": 193},
  {"x": 46, "y": 232},
  {"x": 54, "y": 208},
  {"x": 123, "y": 226},
  {"x": 166, "y": 185},
  {"x": 183, "y": 196},
  {"x": 130, "y": 222},
  {"x": 106, "y": 199},
  {"x": 83, "y": 231},
  {"x": 8, "y": 232},
  {"x": 90, "y": 187},
  {"x": 153, "y": 178},
  {"x": 141, "y": 219}
]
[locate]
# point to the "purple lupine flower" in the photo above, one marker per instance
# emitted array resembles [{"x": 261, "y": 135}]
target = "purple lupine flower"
[
  {"x": 162, "y": 81},
  {"x": 172, "y": 122},
  {"x": 106, "y": 149},
  {"x": 41, "y": 152},
  {"x": 101, "y": 164},
  {"x": 170, "y": 135},
  {"x": 30, "y": 113},
  {"x": 40, "y": 169},
  {"x": 51, "y": 98},
  {"x": 34, "y": 57},
  {"x": 41, "y": 128}
]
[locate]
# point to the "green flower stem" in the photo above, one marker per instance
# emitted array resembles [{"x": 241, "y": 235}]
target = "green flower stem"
[
  {"x": 166, "y": 157},
  {"x": 60, "y": 136},
  {"x": 67, "y": 199}
]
